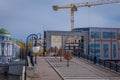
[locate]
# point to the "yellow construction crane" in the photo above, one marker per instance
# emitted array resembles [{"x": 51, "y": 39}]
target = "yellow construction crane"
[{"x": 74, "y": 7}]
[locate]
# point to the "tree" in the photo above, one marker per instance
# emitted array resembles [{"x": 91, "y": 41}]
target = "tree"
[
  {"x": 21, "y": 44},
  {"x": 50, "y": 50},
  {"x": 68, "y": 56},
  {"x": 60, "y": 53}
]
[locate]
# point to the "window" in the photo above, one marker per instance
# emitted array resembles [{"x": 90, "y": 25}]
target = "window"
[
  {"x": 95, "y": 35},
  {"x": 95, "y": 49},
  {"x": 114, "y": 50},
  {"x": 109, "y": 35},
  {"x": 6, "y": 38},
  {"x": 1, "y": 37},
  {"x": 106, "y": 50},
  {"x": 95, "y": 45},
  {"x": 2, "y": 48}
]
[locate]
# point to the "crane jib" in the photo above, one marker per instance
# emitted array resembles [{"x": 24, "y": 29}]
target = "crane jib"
[{"x": 74, "y": 7}]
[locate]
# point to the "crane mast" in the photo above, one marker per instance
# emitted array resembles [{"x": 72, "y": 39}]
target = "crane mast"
[{"x": 73, "y": 7}]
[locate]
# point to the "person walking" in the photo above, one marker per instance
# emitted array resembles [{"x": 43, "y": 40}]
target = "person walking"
[
  {"x": 31, "y": 57},
  {"x": 95, "y": 59}
]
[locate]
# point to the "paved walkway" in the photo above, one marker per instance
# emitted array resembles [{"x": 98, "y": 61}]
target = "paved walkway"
[
  {"x": 79, "y": 69},
  {"x": 42, "y": 71},
  {"x": 48, "y": 68}
]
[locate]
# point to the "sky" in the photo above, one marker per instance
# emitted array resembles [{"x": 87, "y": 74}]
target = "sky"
[{"x": 24, "y": 17}]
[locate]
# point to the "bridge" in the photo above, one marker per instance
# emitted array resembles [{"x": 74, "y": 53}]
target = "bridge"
[{"x": 79, "y": 69}]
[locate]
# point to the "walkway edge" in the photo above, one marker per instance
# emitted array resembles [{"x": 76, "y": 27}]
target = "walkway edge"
[{"x": 55, "y": 69}]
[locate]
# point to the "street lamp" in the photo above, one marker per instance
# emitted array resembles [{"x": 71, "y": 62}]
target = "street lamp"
[{"x": 35, "y": 49}]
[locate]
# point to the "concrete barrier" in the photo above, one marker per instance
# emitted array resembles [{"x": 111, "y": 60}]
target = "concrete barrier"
[
  {"x": 17, "y": 63},
  {"x": 16, "y": 68}
]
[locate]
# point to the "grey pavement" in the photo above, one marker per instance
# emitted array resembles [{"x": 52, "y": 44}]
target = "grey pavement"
[
  {"x": 42, "y": 71},
  {"x": 80, "y": 69}
]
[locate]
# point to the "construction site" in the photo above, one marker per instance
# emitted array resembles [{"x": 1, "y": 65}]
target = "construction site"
[
  {"x": 83, "y": 53},
  {"x": 102, "y": 42}
]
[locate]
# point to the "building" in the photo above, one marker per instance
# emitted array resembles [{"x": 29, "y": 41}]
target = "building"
[
  {"x": 9, "y": 50},
  {"x": 66, "y": 40},
  {"x": 103, "y": 42}
]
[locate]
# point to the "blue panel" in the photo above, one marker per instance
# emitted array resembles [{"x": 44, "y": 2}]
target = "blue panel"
[
  {"x": 95, "y": 35},
  {"x": 106, "y": 50},
  {"x": 114, "y": 51},
  {"x": 109, "y": 35}
]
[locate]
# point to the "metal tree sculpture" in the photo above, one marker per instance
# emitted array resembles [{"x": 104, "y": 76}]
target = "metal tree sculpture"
[
  {"x": 68, "y": 57},
  {"x": 60, "y": 53}
]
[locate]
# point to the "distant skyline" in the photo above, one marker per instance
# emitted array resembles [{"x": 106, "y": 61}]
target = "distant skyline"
[{"x": 23, "y": 17}]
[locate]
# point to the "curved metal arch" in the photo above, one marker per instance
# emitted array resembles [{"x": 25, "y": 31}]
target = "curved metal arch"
[
  {"x": 27, "y": 39},
  {"x": 31, "y": 35}
]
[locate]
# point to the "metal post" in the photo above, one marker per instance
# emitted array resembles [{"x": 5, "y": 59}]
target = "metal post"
[
  {"x": 38, "y": 34},
  {"x": 26, "y": 61},
  {"x": 44, "y": 44}
]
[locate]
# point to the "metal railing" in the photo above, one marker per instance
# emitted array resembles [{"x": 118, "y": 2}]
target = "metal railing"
[{"x": 109, "y": 64}]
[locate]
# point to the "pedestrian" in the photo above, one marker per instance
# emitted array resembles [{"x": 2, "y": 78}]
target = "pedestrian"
[
  {"x": 31, "y": 58},
  {"x": 95, "y": 59}
]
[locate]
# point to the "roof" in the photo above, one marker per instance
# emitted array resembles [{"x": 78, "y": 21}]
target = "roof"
[
  {"x": 4, "y": 31},
  {"x": 81, "y": 29}
]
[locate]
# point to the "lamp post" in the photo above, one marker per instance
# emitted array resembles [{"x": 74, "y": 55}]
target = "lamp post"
[
  {"x": 35, "y": 49},
  {"x": 44, "y": 44},
  {"x": 39, "y": 43}
]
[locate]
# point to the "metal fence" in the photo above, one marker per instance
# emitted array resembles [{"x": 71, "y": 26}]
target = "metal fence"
[{"x": 109, "y": 64}]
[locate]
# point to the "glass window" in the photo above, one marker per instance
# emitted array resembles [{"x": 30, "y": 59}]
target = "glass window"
[
  {"x": 95, "y": 49},
  {"x": 5, "y": 38},
  {"x": 95, "y": 45},
  {"x": 106, "y": 50},
  {"x": 94, "y": 35},
  {"x": 109, "y": 35},
  {"x": 114, "y": 51},
  {"x": 1, "y": 37}
]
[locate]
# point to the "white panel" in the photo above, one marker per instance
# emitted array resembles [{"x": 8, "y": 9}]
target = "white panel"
[{"x": 56, "y": 41}]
